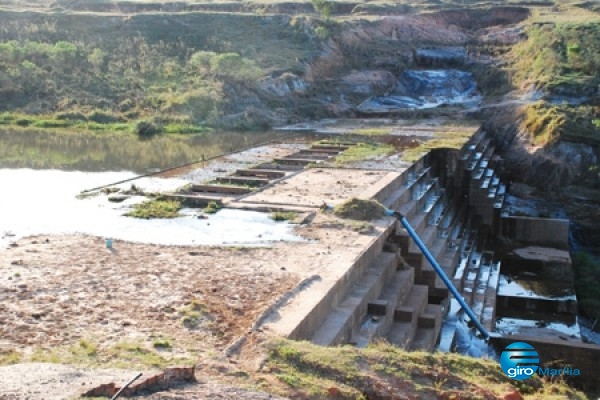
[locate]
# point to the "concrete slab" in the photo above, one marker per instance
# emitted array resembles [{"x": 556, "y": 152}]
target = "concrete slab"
[{"x": 314, "y": 186}]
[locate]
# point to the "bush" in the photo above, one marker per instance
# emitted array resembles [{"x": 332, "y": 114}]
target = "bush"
[
  {"x": 146, "y": 128},
  {"x": 70, "y": 115},
  {"x": 283, "y": 216},
  {"x": 212, "y": 207},
  {"x": 156, "y": 209},
  {"x": 104, "y": 117}
]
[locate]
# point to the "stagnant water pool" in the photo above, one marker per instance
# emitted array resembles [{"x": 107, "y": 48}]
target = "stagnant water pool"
[{"x": 41, "y": 174}]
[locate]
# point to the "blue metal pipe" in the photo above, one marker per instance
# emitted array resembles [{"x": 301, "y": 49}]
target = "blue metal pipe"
[{"x": 440, "y": 272}]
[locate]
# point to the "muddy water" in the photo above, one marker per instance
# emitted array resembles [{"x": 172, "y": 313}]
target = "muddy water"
[
  {"x": 89, "y": 151},
  {"x": 42, "y": 173}
]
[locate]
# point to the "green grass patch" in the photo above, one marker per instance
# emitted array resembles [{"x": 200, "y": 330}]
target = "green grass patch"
[
  {"x": 212, "y": 207},
  {"x": 194, "y": 314},
  {"x": 157, "y": 208},
  {"x": 386, "y": 371},
  {"x": 186, "y": 129},
  {"x": 442, "y": 140},
  {"x": 379, "y": 131},
  {"x": 128, "y": 354},
  {"x": 9, "y": 357},
  {"x": 162, "y": 344},
  {"x": 363, "y": 152},
  {"x": 284, "y": 215},
  {"x": 360, "y": 210},
  {"x": 547, "y": 123}
]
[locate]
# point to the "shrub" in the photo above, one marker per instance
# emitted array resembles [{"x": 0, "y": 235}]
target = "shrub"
[
  {"x": 103, "y": 117},
  {"x": 145, "y": 128},
  {"x": 283, "y": 216},
  {"x": 157, "y": 208},
  {"x": 212, "y": 207},
  {"x": 323, "y": 7}
]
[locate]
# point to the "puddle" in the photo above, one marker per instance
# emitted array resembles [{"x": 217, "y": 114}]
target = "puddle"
[
  {"x": 535, "y": 289},
  {"x": 44, "y": 202},
  {"x": 516, "y": 326}
]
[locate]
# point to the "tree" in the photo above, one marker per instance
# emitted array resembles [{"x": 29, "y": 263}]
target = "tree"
[
  {"x": 97, "y": 58},
  {"x": 323, "y": 7}
]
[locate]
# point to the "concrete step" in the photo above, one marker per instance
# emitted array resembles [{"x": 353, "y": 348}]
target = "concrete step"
[
  {"x": 243, "y": 180},
  {"x": 220, "y": 189},
  {"x": 332, "y": 147},
  {"x": 447, "y": 336},
  {"x": 281, "y": 167},
  {"x": 403, "y": 194},
  {"x": 428, "y": 329},
  {"x": 195, "y": 200},
  {"x": 413, "y": 305},
  {"x": 380, "y": 313},
  {"x": 320, "y": 152},
  {"x": 263, "y": 173},
  {"x": 296, "y": 161},
  {"x": 308, "y": 155},
  {"x": 488, "y": 317},
  {"x": 406, "y": 317},
  {"x": 339, "y": 324}
]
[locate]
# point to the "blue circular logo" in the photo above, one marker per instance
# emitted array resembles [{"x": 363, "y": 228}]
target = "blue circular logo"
[{"x": 519, "y": 361}]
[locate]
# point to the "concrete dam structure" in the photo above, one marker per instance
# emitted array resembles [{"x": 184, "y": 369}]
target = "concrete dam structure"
[{"x": 513, "y": 271}]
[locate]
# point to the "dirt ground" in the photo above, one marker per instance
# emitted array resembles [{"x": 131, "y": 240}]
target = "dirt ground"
[{"x": 59, "y": 294}]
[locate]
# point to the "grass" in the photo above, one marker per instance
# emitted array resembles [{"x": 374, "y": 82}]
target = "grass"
[
  {"x": 547, "y": 123},
  {"x": 9, "y": 357},
  {"x": 212, "y": 207},
  {"x": 284, "y": 215},
  {"x": 360, "y": 210},
  {"x": 194, "y": 314},
  {"x": 156, "y": 208},
  {"x": 363, "y": 152},
  {"x": 162, "y": 344},
  {"x": 125, "y": 354},
  {"x": 385, "y": 371},
  {"x": 448, "y": 140},
  {"x": 375, "y": 131}
]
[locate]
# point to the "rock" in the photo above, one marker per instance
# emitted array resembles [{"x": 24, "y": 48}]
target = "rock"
[
  {"x": 426, "y": 89},
  {"x": 372, "y": 82},
  {"x": 441, "y": 56},
  {"x": 284, "y": 85}
]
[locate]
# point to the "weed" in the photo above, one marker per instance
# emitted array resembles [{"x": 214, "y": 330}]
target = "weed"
[
  {"x": 212, "y": 207},
  {"x": 46, "y": 355},
  {"x": 284, "y": 215},
  {"x": 126, "y": 354},
  {"x": 380, "y": 131},
  {"x": 9, "y": 357},
  {"x": 361, "y": 210},
  {"x": 362, "y": 152},
  {"x": 156, "y": 208},
  {"x": 194, "y": 314},
  {"x": 162, "y": 344}
]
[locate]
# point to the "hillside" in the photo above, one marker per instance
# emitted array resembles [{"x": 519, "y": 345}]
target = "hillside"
[{"x": 191, "y": 66}]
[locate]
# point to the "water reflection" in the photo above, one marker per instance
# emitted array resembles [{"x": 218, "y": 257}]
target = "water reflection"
[
  {"x": 90, "y": 151},
  {"x": 45, "y": 202}
]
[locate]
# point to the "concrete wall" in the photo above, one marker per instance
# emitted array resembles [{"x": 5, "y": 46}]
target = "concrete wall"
[
  {"x": 338, "y": 291},
  {"x": 540, "y": 231},
  {"x": 556, "y": 354}
]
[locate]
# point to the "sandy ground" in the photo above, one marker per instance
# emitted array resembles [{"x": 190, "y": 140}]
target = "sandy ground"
[{"x": 56, "y": 291}]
